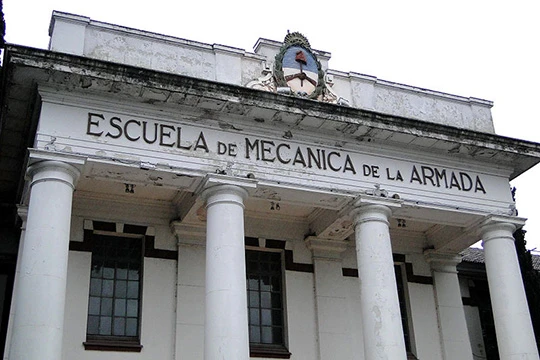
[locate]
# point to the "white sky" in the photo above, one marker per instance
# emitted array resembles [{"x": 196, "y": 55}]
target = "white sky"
[{"x": 481, "y": 48}]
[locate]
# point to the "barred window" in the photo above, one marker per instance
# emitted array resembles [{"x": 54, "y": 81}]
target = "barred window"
[
  {"x": 265, "y": 302},
  {"x": 115, "y": 289}
]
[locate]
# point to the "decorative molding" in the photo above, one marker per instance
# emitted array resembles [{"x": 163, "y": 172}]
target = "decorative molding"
[
  {"x": 269, "y": 352},
  {"x": 147, "y": 232},
  {"x": 325, "y": 248},
  {"x": 398, "y": 258},
  {"x": 120, "y": 346},
  {"x": 292, "y": 266},
  {"x": 442, "y": 262},
  {"x": 280, "y": 244}
]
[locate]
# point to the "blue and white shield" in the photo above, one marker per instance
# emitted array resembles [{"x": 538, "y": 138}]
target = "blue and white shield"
[{"x": 300, "y": 70}]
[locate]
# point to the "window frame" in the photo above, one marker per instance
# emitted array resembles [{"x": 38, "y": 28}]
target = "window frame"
[
  {"x": 404, "y": 306},
  {"x": 115, "y": 342},
  {"x": 274, "y": 351}
]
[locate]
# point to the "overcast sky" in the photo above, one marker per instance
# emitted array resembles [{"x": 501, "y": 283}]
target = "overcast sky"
[{"x": 478, "y": 48}]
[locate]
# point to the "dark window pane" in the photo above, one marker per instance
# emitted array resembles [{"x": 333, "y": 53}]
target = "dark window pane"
[
  {"x": 97, "y": 271},
  {"x": 133, "y": 290},
  {"x": 267, "y": 337},
  {"x": 255, "y": 334},
  {"x": 119, "y": 326},
  {"x": 108, "y": 273},
  {"x": 276, "y": 300},
  {"x": 95, "y": 287},
  {"x": 106, "y": 306},
  {"x": 277, "y": 334},
  {"x": 132, "y": 308},
  {"x": 265, "y": 283},
  {"x": 131, "y": 327},
  {"x": 266, "y": 300},
  {"x": 277, "y": 317},
  {"x": 254, "y": 317},
  {"x": 105, "y": 325},
  {"x": 252, "y": 267},
  {"x": 265, "y": 267},
  {"x": 93, "y": 325},
  {"x": 253, "y": 284},
  {"x": 121, "y": 272},
  {"x": 108, "y": 288},
  {"x": 266, "y": 317},
  {"x": 253, "y": 299},
  {"x": 133, "y": 274},
  {"x": 120, "y": 307},
  {"x": 93, "y": 305},
  {"x": 276, "y": 283},
  {"x": 120, "y": 289}
]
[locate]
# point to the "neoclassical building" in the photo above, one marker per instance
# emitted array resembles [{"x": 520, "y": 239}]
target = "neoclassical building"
[{"x": 181, "y": 200}]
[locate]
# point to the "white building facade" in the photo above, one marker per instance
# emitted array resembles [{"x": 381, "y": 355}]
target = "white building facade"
[{"x": 191, "y": 201}]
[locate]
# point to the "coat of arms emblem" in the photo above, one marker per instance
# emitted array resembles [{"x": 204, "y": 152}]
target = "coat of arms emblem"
[
  {"x": 297, "y": 72},
  {"x": 297, "y": 67}
]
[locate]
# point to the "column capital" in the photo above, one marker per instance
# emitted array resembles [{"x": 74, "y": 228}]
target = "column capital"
[
  {"x": 366, "y": 200},
  {"x": 213, "y": 183},
  {"x": 442, "y": 262},
  {"x": 53, "y": 170},
  {"x": 500, "y": 226},
  {"x": 373, "y": 208},
  {"x": 187, "y": 234},
  {"x": 36, "y": 156},
  {"x": 325, "y": 248}
]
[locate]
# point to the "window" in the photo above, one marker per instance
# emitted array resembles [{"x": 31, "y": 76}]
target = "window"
[
  {"x": 265, "y": 304},
  {"x": 403, "y": 306},
  {"x": 115, "y": 293}
]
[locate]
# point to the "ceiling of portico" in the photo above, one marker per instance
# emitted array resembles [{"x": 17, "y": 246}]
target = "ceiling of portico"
[{"x": 318, "y": 214}]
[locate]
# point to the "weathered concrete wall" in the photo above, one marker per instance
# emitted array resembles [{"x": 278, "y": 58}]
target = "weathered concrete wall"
[{"x": 82, "y": 36}]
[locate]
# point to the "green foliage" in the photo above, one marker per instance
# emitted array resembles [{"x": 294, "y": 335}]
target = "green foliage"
[
  {"x": 2, "y": 25},
  {"x": 531, "y": 281}
]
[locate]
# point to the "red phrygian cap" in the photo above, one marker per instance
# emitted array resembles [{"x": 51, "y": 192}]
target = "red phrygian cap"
[{"x": 301, "y": 57}]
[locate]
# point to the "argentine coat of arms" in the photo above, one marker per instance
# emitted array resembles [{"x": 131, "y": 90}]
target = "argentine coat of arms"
[{"x": 297, "y": 72}]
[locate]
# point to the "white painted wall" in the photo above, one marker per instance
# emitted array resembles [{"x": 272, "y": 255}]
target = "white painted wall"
[
  {"x": 173, "y": 325},
  {"x": 424, "y": 321}
]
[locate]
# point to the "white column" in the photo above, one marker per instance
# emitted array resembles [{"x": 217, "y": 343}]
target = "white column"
[
  {"x": 515, "y": 336},
  {"x": 41, "y": 287},
  {"x": 452, "y": 324},
  {"x": 381, "y": 319},
  {"x": 226, "y": 322}
]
